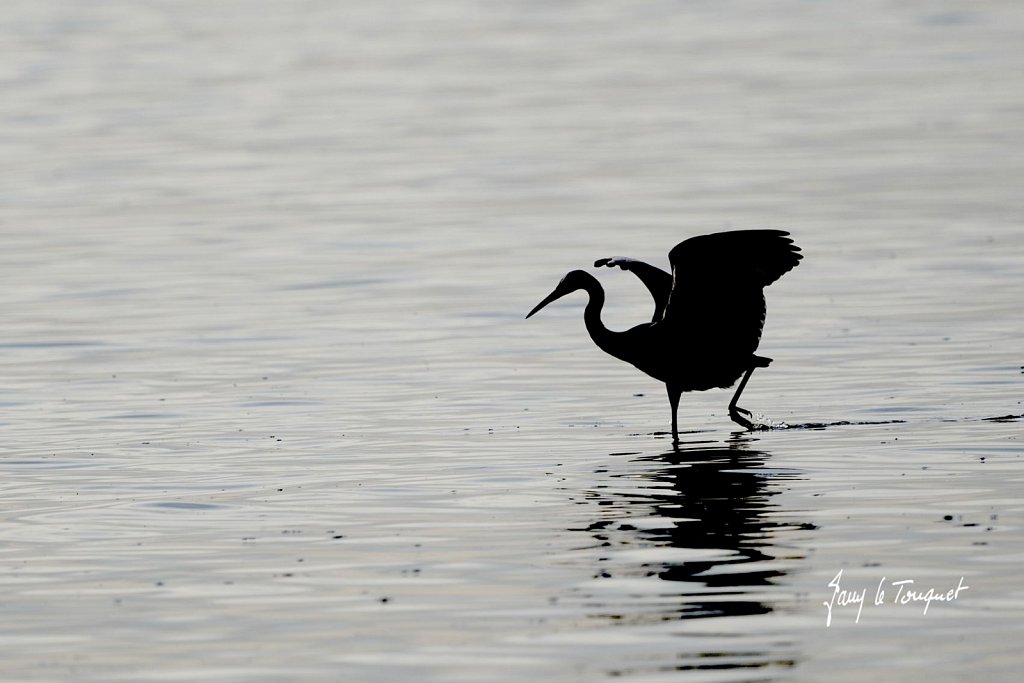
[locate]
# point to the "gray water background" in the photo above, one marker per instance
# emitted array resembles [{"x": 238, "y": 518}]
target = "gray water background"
[{"x": 270, "y": 409}]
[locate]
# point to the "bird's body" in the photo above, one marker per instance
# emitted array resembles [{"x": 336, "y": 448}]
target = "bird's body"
[{"x": 709, "y": 312}]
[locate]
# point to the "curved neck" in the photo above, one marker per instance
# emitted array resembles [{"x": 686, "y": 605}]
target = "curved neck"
[{"x": 601, "y": 335}]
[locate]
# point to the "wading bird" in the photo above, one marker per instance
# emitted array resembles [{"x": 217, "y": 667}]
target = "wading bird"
[{"x": 708, "y": 317}]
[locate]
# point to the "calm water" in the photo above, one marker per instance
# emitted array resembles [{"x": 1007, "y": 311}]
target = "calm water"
[{"x": 270, "y": 409}]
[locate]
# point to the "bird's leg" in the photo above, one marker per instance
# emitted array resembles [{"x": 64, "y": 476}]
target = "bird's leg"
[
  {"x": 734, "y": 410},
  {"x": 673, "y": 400}
]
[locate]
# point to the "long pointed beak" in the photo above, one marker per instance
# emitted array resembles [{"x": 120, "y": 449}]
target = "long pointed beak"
[{"x": 557, "y": 294}]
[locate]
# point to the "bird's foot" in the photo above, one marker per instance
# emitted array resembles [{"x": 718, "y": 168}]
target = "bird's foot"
[
  {"x": 736, "y": 414},
  {"x": 762, "y": 423}
]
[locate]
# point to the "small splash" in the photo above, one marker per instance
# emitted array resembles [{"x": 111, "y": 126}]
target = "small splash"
[{"x": 765, "y": 425}]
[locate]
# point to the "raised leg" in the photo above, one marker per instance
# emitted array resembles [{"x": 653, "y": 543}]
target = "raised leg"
[
  {"x": 673, "y": 400},
  {"x": 735, "y": 412}
]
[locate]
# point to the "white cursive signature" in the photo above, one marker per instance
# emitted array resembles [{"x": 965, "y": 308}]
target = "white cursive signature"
[{"x": 905, "y": 593}]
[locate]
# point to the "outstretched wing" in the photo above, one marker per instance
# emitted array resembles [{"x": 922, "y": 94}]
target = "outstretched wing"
[
  {"x": 657, "y": 281},
  {"x": 757, "y": 256},
  {"x": 717, "y": 298}
]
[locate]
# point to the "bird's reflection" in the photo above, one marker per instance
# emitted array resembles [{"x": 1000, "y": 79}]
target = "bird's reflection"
[{"x": 709, "y": 502}]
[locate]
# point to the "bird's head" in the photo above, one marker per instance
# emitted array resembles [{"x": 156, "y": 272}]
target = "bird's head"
[{"x": 573, "y": 280}]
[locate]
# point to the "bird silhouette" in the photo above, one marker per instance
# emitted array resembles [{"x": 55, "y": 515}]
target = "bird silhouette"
[{"x": 709, "y": 312}]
